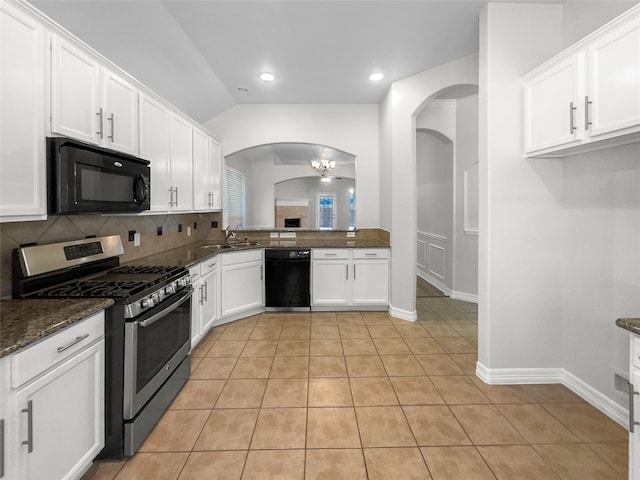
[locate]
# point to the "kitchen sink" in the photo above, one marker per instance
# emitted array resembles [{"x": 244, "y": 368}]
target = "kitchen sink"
[
  {"x": 245, "y": 244},
  {"x": 217, "y": 246}
]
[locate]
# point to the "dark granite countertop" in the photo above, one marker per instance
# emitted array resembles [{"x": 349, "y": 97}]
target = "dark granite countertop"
[
  {"x": 23, "y": 322},
  {"x": 631, "y": 324},
  {"x": 193, "y": 253}
]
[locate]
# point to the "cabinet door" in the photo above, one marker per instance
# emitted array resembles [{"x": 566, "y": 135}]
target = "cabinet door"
[
  {"x": 66, "y": 403},
  {"x": 181, "y": 164},
  {"x": 209, "y": 307},
  {"x": 614, "y": 80},
  {"x": 201, "y": 175},
  {"x": 552, "y": 107},
  {"x": 215, "y": 174},
  {"x": 330, "y": 282},
  {"x": 155, "y": 146},
  {"x": 22, "y": 132},
  {"x": 197, "y": 301},
  {"x": 75, "y": 94},
  {"x": 634, "y": 438},
  {"x": 121, "y": 111},
  {"x": 371, "y": 282},
  {"x": 241, "y": 288}
]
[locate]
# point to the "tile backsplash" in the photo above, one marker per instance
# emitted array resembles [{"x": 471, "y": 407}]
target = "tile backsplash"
[{"x": 74, "y": 227}]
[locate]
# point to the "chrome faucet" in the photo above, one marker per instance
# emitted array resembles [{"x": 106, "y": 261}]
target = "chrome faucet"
[{"x": 230, "y": 234}]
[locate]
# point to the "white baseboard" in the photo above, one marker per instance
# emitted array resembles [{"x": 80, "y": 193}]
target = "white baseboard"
[
  {"x": 516, "y": 376},
  {"x": 403, "y": 314},
  {"x": 466, "y": 297}
]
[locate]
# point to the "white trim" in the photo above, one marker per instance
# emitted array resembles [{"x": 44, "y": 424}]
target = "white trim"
[
  {"x": 519, "y": 376},
  {"x": 403, "y": 314},
  {"x": 433, "y": 236},
  {"x": 444, "y": 260},
  {"x": 435, "y": 282},
  {"x": 292, "y": 202}
]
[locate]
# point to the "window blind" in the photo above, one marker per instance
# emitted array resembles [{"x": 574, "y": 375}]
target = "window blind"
[{"x": 234, "y": 209}]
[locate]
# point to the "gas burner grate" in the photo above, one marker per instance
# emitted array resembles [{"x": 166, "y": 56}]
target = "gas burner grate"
[
  {"x": 87, "y": 288},
  {"x": 144, "y": 269}
]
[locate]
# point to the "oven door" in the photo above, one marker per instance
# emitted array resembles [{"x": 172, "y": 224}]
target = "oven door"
[{"x": 154, "y": 345}]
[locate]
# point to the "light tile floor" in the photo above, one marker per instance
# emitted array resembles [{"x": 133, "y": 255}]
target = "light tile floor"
[{"x": 362, "y": 395}]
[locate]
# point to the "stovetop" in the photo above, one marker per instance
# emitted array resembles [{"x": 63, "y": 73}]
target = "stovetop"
[{"x": 90, "y": 268}]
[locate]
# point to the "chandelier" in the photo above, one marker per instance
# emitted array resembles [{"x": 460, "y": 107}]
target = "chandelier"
[{"x": 322, "y": 166}]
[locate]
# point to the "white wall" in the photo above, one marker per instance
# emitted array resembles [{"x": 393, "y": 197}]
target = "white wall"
[
  {"x": 519, "y": 308},
  {"x": 559, "y": 257},
  {"x": 350, "y": 128},
  {"x": 466, "y": 160},
  {"x": 398, "y": 111},
  {"x": 601, "y": 263}
]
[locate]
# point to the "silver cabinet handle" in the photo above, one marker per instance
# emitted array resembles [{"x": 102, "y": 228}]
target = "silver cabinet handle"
[
  {"x": 72, "y": 343},
  {"x": 176, "y": 196},
  {"x": 201, "y": 300},
  {"x": 170, "y": 196},
  {"x": 1, "y": 447},
  {"x": 632, "y": 421},
  {"x": 29, "y": 411},
  {"x": 354, "y": 271},
  {"x": 572, "y": 127},
  {"x": 370, "y": 254},
  {"x": 101, "y": 131},
  {"x": 346, "y": 269},
  {"x": 206, "y": 294},
  {"x": 330, "y": 254},
  {"x": 260, "y": 272},
  {"x": 587, "y": 104},
  {"x": 111, "y": 120}
]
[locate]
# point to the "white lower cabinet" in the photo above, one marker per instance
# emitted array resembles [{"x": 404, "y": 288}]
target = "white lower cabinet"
[
  {"x": 634, "y": 408},
  {"x": 357, "y": 277},
  {"x": 205, "y": 305},
  {"x": 242, "y": 283},
  {"x": 53, "y": 404}
]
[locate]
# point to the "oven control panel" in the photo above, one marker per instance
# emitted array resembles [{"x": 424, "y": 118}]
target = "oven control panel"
[{"x": 158, "y": 296}]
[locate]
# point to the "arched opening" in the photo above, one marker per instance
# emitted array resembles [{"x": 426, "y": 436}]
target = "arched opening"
[{"x": 447, "y": 191}]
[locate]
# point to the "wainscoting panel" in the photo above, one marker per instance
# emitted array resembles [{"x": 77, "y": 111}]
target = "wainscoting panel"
[{"x": 436, "y": 261}]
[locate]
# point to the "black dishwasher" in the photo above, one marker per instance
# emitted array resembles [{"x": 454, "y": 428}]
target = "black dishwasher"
[{"x": 287, "y": 279}]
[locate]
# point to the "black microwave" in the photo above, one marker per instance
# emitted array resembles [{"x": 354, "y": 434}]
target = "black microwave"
[{"x": 83, "y": 178}]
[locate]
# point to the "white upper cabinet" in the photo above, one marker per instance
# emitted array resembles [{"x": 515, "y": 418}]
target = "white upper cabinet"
[
  {"x": 206, "y": 172},
  {"x": 587, "y": 97},
  {"x": 89, "y": 103},
  {"x": 181, "y": 188},
  {"x": 22, "y": 128},
  {"x": 614, "y": 81},
  {"x": 155, "y": 146}
]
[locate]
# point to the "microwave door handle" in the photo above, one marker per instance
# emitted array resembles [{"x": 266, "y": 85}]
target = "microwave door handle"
[{"x": 153, "y": 319}]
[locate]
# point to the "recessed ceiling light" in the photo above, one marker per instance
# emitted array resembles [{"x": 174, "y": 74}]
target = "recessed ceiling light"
[
  {"x": 267, "y": 77},
  {"x": 376, "y": 77},
  {"x": 243, "y": 89}
]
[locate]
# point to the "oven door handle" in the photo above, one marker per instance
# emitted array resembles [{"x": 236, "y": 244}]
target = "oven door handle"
[{"x": 163, "y": 313}]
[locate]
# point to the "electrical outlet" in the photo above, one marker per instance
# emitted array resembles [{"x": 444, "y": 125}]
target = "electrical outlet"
[
  {"x": 214, "y": 224},
  {"x": 179, "y": 227},
  {"x": 159, "y": 230},
  {"x": 136, "y": 239},
  {"x": 273, "y": 234},
  {"x": 195, "y": 225},
  {"x": 351, "y": 234},
  {"x": 287, "y": 234},
  {"x": 131, "y": 235},
  {"x": 188, "y": 231}
]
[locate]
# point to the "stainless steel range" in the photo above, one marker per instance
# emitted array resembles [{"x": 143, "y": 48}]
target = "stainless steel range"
[{"x": 147, "y": 331}]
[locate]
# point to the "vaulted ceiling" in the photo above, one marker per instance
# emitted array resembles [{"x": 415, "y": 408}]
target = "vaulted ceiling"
[{"x": 198, "y": 54}]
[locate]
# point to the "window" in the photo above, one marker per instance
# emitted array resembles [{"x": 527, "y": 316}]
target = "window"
[
  {"x": 326, "y": 206},
  {"x": 234, "y": 207}
]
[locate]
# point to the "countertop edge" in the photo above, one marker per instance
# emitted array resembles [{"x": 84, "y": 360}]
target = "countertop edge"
[
  {"x": 25, "y": 322},
  {"x": 630, "y": 324}
]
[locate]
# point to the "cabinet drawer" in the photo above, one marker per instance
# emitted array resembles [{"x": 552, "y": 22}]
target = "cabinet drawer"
[
  {"x": 232, "y": 258},
  {"x": 370, "y": 253},
  {"x": 330, "y": 253},
  {"x": 52, "y": 350},
  {"x": 208, "y": 266},
  {"x": 636, "y": 351}
]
